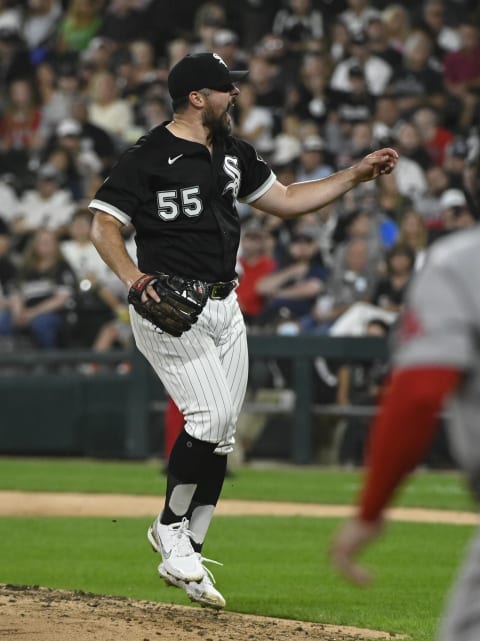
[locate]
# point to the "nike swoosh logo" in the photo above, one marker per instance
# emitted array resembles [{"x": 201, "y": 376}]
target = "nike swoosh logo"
[{"x": 172, "y": 160}]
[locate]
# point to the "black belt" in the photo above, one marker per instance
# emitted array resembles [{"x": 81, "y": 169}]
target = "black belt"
[{"x": 219, "y": 291}]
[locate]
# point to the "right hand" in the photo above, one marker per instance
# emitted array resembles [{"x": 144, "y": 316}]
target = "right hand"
[
  {"x": 377, "y": 163},
  {"x": 354, "y": 537}
]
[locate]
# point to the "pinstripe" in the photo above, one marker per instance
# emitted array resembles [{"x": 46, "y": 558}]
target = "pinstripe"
[{"x": 204, "y": 370}]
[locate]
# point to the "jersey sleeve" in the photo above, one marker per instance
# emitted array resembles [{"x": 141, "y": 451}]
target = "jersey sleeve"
[
  {"x": 257, "y": 177},
  {"x": 436, "y": 327},
  {"x": 125, "y": 189},
  {"x": 402, "y": 431}
]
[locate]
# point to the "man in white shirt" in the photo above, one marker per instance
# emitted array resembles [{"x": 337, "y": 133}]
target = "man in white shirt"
[
  {"x": 48, "y": 205},
  {"x": 377, "y": 72}
]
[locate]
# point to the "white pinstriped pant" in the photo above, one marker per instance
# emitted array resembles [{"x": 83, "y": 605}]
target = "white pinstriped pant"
[{"x": 204, "y": 371}]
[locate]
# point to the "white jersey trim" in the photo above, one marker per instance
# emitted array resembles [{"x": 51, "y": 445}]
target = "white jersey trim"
[
  {"x": 109, "y": 209},
  {"x": 260, "y": 190}
]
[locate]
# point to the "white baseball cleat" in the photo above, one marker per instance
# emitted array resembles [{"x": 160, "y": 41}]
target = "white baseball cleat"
[
  {"x": 179, "y": 558},
  {"x": 202, "y": 592}
]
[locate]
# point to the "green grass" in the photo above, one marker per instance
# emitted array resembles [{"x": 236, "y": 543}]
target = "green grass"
[
  {"x": 308, "y": 485},
  {"x": 275, "y": 567}
]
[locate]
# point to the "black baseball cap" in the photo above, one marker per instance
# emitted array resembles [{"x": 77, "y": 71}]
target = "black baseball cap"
[{"x": 201, "y": 71}]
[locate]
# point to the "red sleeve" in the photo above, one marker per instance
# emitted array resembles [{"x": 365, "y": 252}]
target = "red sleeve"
[{"x": 402, "y": 431}]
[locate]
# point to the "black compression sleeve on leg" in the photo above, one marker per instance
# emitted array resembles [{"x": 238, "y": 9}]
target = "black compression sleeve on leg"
[
  {"x": 189, "y": 457},
  {"x": 188, "y": 466},
  {"x": 206, "y": 495},
  {"x": 210, "y": 487}
]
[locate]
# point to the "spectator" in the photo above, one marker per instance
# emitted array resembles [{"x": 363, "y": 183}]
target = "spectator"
[
  {"x": 355, "y": 103},
  {"x": 145, "y": 68},
  {"x": 385, "y": 118},
  {"x": 78, "y": 26},
  {"x": 54, "y": 104},
  {"x": 123, "y": 21},
  {"x": 15, "y": 60},
  {"x": 81, "y": 160},
  {"x": 299, "y": 24},
  {"x": 357, "y": 16},
  {"x": 344, "y": 287},
  {"x": 21, "y": 119},
  {"x": 455, "y": 212},
  {"x": 339, "y": 41},
  {"x": 44, "y": 292},
  {"x": 209, "y": 18},
  {"x": 377, "y": 72},
  {"x": 40, "y": 21},
  {"x": 389, "y": 293},
  {"x": 19, "y": 124},
  {"x": 358, "y": 224},
  {"x": 286, "y": 144},
  {"x": 360, "y": 383},
  {"x": 292, "y": 289},
  {"x": 311, "y": 97},
  {"x": 8, "y": 272},
  {"x": 10, "y": 17},
  {"x": 253, "y": 123},
  {"x": 456, "y": 155},
  {"x": 177, "y": 49},
  {"x": 153, "y": 112},
  {"x": 379, "y": 43},
  {"x": 68, "y": 80},
  {"x": 265, "y": 77},
  {"x": 428, "y": 205},
  {"x": 93, "y": 138},
  {"x": 411, "y": 145},
  {"x": 433, "y": 22},
  {"x": 312, "y": 162},
  {"x": 225, "y": 43},
  {"x": 397, "y": 21},
  {"x": 254, "y": 262},
  {"x": 8, "y": 199},
  {"x": 413, "y": 232},
  {"x": 409, "y": 185},
  {"x": 419, "y": 82},
  {"x": 386, "y": 300},
  {"x": 47, "y": 206},
  {"x": 461, "y": 72},
  {"x": 98, "y": 57},
  {"x": 110, "y": 112},
  {"x": 434, "y": 137},
  {"x": 97, "y": 302}
]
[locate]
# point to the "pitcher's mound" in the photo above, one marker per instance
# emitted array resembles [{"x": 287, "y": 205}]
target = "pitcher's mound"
[{"x": 43, "y": 614}]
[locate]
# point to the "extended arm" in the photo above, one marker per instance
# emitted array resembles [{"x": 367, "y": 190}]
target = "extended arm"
[{"x": 300, "y": 198}]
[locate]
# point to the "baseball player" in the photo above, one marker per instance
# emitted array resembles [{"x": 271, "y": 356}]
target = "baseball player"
[
  {"x": 436, "y": 364},
  {"x": 178, "y": 186}
]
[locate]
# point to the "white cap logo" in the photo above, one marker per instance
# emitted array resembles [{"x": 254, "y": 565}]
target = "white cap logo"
[{"x": 220, "y": 59}]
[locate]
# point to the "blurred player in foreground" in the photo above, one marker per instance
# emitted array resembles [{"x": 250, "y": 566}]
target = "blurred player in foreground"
[{"x": 436, "y": 367}]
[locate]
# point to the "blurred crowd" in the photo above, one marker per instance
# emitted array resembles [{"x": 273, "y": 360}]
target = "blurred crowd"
[{"x": 81, "y": 80}]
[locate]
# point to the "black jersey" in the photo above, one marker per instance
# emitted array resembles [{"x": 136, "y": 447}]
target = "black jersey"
[{"x": 181, "y": 201}]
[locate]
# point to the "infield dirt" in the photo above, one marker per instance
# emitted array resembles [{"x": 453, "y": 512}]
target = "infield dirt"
[{"x": 30, "y": 612}]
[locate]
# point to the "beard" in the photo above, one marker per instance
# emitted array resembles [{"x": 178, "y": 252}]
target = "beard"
[{"x": 219, "y": 127}]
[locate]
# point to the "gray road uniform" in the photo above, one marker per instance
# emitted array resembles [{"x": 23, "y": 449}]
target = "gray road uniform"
[{"x": 443, "y": 329}]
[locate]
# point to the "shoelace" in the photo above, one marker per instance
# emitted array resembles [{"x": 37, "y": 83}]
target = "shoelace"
[
  {"x": 181, "y": 532},
  {"x": 207, "y": 570}
]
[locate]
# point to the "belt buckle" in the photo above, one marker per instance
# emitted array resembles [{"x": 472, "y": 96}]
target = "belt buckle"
[{"x": 213, "y": 289}]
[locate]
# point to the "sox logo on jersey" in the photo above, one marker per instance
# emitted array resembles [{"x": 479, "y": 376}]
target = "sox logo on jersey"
[{"x": 230, "y": 167}]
